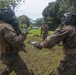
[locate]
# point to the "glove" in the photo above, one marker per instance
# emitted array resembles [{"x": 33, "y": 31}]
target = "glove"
[
  {"x": 37, "y": 45},
  {"x": 25, "y": 31}
]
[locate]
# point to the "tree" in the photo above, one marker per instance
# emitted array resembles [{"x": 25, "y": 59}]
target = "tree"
[
  {"x": 50, "y": 15},
  {"x": 54, "y": 11},
  {"x": 67, "y": 6},
  {"x": 38, "y": 22},
  {"x": 9, "y": 3},
  {"x": 24, "y": 21}
]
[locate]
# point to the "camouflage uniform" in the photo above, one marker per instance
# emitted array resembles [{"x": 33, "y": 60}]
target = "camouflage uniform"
[
  {"x": 67, "y": 34},
  {"x": 44, "y": 31},
  {"x": 10, "y": 45}
]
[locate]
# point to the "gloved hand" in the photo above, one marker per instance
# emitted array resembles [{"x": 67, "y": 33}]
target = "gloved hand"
[
  {"x": 37, "y": 45},
  {"x": 25, "y": 31}
]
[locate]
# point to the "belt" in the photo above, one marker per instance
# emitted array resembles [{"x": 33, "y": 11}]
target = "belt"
[
  {"x": 69, "y": 51},
  {"x": 11, "y": 55}
]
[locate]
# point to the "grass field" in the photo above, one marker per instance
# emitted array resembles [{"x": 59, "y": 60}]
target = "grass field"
[
  {"x": 37, "y": 31},
  {"x": 41, "y": 61}
]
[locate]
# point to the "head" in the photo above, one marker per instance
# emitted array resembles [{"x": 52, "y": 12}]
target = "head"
[
  {"x": 43, "y": 23},
  {"x": 69, "y": 19},
  {"x": 8, "y": 16}
]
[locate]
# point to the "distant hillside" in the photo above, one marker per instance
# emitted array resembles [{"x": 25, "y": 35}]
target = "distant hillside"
[
  {"x": 37, "y": 22},
  {"x": 38, "y": 19},
  {"x": 31, "y": 20},
  {"x": 34, "y": 21}
]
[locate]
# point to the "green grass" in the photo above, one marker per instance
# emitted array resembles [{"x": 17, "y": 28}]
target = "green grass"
[
  {"x": 41, "y": 61},
  {"x": 34, "y": 32},
  {"x": 37, "y": 31}
]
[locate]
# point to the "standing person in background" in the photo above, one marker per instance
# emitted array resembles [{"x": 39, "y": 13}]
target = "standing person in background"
[
  {"x": 66, "y": 34},
  {"x": 11, "y": 42},
  {"x": 44, "y": 30}
]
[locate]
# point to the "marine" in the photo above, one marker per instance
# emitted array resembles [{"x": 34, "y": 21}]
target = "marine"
[
  {"x": 44, "y": 30},
  {"x": 11, "y": 42},
  {"x": 67, "y": 34}
]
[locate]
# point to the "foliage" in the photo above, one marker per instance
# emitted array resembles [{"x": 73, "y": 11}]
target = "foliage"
[
  {"x": 53, "y": 12},
  {"x": 9, "y": 3},
  {"x": 24, "y": 22},
  {"x": 38, "y": 22},
  {"x": 50, "y": 15},
  {"x": 67, "y": 6}
]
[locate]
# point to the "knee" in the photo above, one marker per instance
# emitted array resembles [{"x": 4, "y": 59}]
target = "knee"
[{"x": 5, "y": 72}]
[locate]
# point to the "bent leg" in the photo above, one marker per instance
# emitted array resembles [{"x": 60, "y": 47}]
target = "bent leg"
[
  {"x": 67, "y": 66},
  {"x": 20, "y": 68},
  {"x": 5, "y": 71}
]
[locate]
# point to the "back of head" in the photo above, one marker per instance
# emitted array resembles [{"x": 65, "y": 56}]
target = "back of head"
[
  {"x": 8, "y": 16},
  {"x": 69, "y": 19}
]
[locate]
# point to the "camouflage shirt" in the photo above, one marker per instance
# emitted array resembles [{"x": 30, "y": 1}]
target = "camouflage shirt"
[
  {"x": 9, "y": 41},
  {"x": 67, "y": 35}
]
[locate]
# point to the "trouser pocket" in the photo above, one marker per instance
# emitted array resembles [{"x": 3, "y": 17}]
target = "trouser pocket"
[{"x": 62, "y": 66}]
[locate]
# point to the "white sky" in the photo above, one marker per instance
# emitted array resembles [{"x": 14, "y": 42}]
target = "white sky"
[{"x": 32, "y": 8}]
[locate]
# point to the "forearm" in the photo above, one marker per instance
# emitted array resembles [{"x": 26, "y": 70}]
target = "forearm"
[
  {"x": 48, "y": 42},
  {"x": 18, "y": 40}
]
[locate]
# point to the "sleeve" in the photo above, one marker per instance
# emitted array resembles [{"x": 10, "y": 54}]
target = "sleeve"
[
  {"x": 12, "y": 38},
  {"x": 41, "y": 30},
  {"x": 55, "y": 38}
]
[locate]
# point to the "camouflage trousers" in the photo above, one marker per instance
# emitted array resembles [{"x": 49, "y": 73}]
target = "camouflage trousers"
[
  {"x": 67, "y": 66},
  {"x": 44, "y": 36},
  {"x": 15, "y": 64}
]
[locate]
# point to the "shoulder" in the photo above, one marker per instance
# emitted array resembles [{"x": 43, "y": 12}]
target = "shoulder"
[
  {"x": 69, "y": 27},
  {"x": 63, "y": 29},
  {"x": 4, "y": 25}
]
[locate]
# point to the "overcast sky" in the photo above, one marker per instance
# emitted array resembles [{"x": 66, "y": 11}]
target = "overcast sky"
[{"x": 32, "y": 8}]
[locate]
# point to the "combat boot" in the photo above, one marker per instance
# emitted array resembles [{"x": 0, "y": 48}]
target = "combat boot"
[
  {"x": 4, "y": 72},
  {"x": 32, "y": 72}
]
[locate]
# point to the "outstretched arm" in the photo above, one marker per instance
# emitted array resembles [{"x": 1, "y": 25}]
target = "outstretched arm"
[{"x": 55, "y": 38}]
